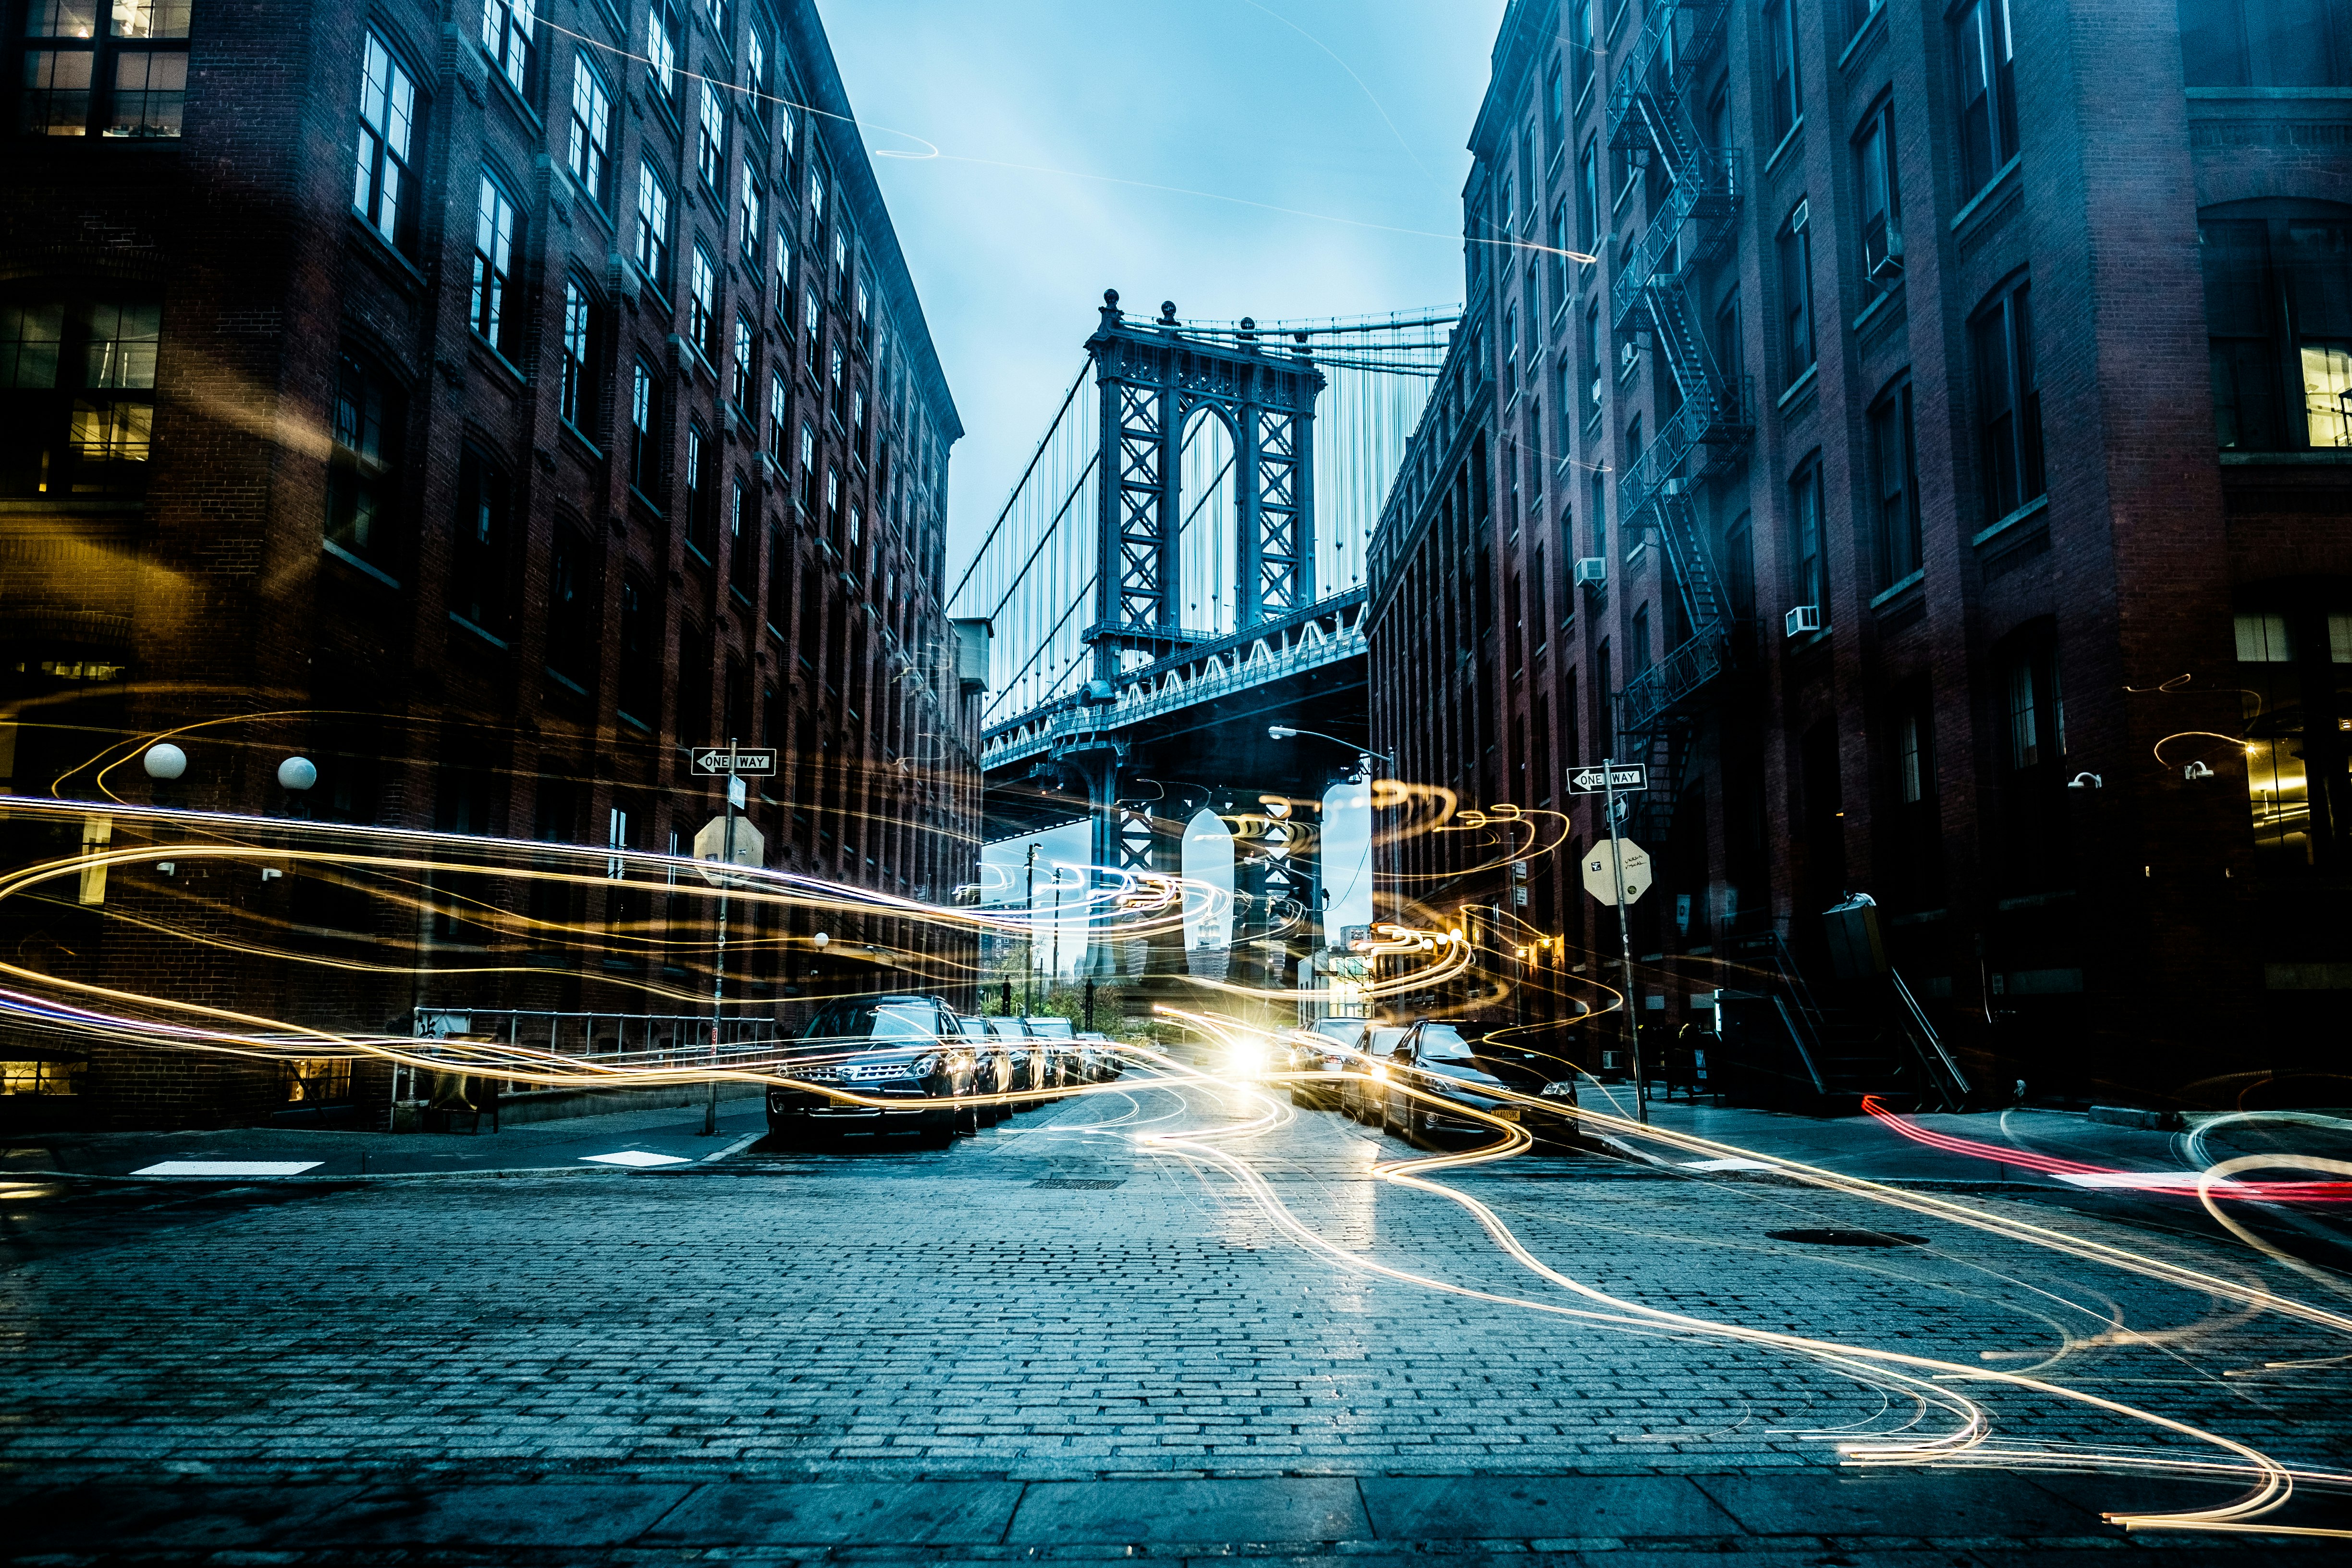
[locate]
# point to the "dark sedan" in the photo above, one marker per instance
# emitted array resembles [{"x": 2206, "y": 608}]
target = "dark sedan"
[
  {"x": 1463, "y": 1065},
  {"x": 1360, "y": 1092},
  {"x": 907, "y": 1052}
]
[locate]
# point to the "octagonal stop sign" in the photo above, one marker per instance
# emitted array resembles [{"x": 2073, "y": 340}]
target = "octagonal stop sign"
[
  {"x": 1601, "y": 878},
  {"x": 710, "y": 845}
]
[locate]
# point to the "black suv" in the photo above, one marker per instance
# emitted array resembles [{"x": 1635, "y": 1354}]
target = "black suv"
[
  {"x": 1454, "y": 1062},
  {"x": 908, "y": 1051}
]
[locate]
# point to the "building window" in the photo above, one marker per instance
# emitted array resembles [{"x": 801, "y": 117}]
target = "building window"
[
  {"x": 1987, "y": 96},
  {"x": 811, "y": 314},
  {"x": 808, "y": 467},
  {"x": 129, "y": 81},
  {"x": 1894, "y": 467},
  {"x": 494, "y": 243},
  {"x": 740, "y": 392},
  {"x": 710, "y": 145},
  {"x": 1731, "y": 351},
  {"x": 653, "y": 228},
  {"x": 1795, "y": 248},
  {"x": 388, "y": 124},
  {"x": 817, "y": 199},
  {"x": 1739, "y": 567},
  {"x": 701, "y": 492},
  {"x": 2265, "y": 43},
  {"x": 1788, "y": 91},
  {"x": 592, "y": 131},
  {"x": 2009, "y": 402},
  {"x": 840, "y": 266},
  {"x": 640, "y": 661},
  {"x": 578, "y": 319},
  {"x": 1809, "y": 585},
  {"x": 784, "y": 279},
  {"x": 571, "y": 609},
  {"x": 840, "y": 402},
  {"x": 1911, "y": 757},
  {"x": 1882, "y": 200},
  {"x": 742, "y": 544},
  {"x": 77, "y": 395},
  {"x": 1580, "y": 57},
  {"x": 754, "y": 204},
  {"x": 643, "y": 460},
  {"x": 777, "y": 406},
  {"x": 1593, "y": 359},
  {"x": 661, "y": 47},
  {"x": 507, "y": 26},
  {"x": 2295, "y": 665},
  {"x": 2278, "y": 305},
  {"x": 477, "y": 559},
  {"x": 703, "y": 305},
  {"x": 362, "y": 461},
  {"x": 833, "y": 504}
]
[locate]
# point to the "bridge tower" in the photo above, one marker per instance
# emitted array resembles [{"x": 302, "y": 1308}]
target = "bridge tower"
[{"x": 1152, "y": 380}]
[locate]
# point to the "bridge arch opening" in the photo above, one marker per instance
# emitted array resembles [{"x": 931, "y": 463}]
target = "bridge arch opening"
[
  {"x": 1209, "y": 861},
  {"x": 1208, "y": 499}
]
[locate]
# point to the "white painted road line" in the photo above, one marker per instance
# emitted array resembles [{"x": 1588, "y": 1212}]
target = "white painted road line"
[
  {"x": 229, "y": 1168},
  {"x": 636, "y": 1157},
  {"x": 1729, "y": 1165},
  {"x": 737, "y": 1147}
]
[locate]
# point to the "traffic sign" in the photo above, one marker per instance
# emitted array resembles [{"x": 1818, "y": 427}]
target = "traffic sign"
[
  {"x": 1603, "y": 883},
  {"x": 714, "y": 760},
  {"x": 1594, "y": 780},
  {"x": 710, "y": 845}
]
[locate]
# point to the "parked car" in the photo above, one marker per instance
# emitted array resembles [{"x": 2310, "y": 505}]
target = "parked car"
[
  {"x": 908, "y": 1051},
  {"x": 991, "y": 1067},
  {"x": 1058, "y": 1039},
  {"x": 1360, "y": 1093},
  {"x": 1332, "y": 1051},
  {"x": 1104, "y": 1060},
  {"x": 1031, "y": 1068},
  {"x": 1451, "y": 1063}
]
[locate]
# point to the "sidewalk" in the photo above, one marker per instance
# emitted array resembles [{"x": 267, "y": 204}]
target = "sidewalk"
[
  {"x": 2122, "y": 1158},
  {"x": 670, "y": 1136},
  {"x": 1976, "y": 1519}
]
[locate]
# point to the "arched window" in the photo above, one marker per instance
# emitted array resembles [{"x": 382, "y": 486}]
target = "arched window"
[
  {"x": 481, "y": 543},
  {"x": 2278, "y": 311}
]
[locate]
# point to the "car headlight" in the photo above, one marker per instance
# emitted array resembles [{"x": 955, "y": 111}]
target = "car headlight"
[
  {"x": 925, "y": 1065},
  {"x": 1564, "y": 1088}
]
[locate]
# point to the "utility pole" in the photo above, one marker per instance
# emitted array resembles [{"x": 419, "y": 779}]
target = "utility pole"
[
  {"x": 1029, "y": 944},
  {"x": 719, "y": 963},
  {"x": 1054, "y": 966},
  {"x": 1625, "y": 945}
]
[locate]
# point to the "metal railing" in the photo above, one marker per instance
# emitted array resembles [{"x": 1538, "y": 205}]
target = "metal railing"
[{"x": 638, "y": 1039}]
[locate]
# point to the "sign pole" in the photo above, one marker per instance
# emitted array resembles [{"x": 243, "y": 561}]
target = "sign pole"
[
  {"x": 1625, "y": 945},
  {"x": 719, "y": 963}
]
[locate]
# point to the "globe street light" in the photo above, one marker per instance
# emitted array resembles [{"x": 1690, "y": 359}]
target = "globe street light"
[
  {"x": 164, "y": 761},
  {"x": 297, "y": 774}
]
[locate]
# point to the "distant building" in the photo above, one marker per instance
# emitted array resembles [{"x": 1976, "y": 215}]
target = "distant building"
[
  {"x": 503, "y": 401},
  {"x": 1946, "y": 447}
]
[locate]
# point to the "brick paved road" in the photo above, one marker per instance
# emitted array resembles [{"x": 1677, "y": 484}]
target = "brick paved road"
[{"x": 1000, "y": 1312}]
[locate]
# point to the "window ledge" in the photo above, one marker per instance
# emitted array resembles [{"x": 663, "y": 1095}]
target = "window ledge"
[
  {"x": 1897, "y": 590},
  {"x": 489, "y": 350},
  {"x": 644, "y": 500},
  {"x": 497, "y": 642},
  {"x": 573, "y": 432},
  {"x": 1871, "y": 310},
  {"x": 1870, "y": 23},
  {"x": 348, "y": 559},
  {"x": 506, "y": 89},
  {"x": 566, "y": 682},
  {"x": 1992, "y": 188},
  {"x": 2038, "y": 504},
  {"x": 1798, "y": 387},
  {"x": 1796, "y": 134},
  {"x": 2290, "y": 94},
  {"x": 2322, "y": 459},
  {"x": 405, "y": 272},
  {"x": 587, "y": 198}
]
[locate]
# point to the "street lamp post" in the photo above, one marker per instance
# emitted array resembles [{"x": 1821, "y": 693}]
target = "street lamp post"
[
  {"x": 1029, "y": 943},
  {"x": 718, "y": 960}
]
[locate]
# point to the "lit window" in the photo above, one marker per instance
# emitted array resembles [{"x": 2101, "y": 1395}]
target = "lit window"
[
  {"x": 129, "y": 81},
  {"x": 741, "y": 391},
  {"x": 592, "y": 128},
  {"x": 2278, "y": 310},
  {"x": 2263, "y": 640},
  {"x": 507, "y": 26},
  {"x": 785, "y": 277},
  {"x": 653, "y": 227},
  {"x": 816, "y": 198},
  {"x": 753, "y": 205},
  {"x": 387, "y": 116},
  {"x": 777, "y": 397},
  {"x": 494, "y": 239}
]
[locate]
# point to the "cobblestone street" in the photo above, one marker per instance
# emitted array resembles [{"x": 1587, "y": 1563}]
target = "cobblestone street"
[{"x": 1056, "y": 1302}]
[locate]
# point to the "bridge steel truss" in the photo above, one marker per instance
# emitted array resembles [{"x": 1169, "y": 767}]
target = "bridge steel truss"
[
  {"x": 1654, "y": 112},
  {"x": 1152, "y": 381}
]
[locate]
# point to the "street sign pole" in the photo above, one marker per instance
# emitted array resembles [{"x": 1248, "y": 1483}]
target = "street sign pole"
[
  {"x": 719, "y": 963},
  {"x": 1625, "y": 945}
]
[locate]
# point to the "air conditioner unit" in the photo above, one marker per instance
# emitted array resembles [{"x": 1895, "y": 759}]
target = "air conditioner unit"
[
  {"x": 1628, "y": 354},
  {"x": 1594, "y": 570},
  {"x": 1802, "y": 619},
  {"x": 1889, "y": 266}
]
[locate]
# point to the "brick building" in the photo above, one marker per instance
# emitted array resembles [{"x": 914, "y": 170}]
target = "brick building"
[
  {"x": 497, "y": 402},
  {"x": 1938, "y": 478}
]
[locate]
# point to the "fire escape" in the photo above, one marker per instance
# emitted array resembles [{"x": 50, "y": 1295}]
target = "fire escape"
[{"x": 1654, "y": 303}]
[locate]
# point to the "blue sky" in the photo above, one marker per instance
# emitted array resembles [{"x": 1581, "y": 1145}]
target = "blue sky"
[{"x": 1352, "y": 111}]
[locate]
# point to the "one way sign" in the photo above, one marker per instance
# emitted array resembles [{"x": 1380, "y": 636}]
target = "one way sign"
[
  {"x": 1594, "y": 780},
  {"x": 715, "y": 759}
]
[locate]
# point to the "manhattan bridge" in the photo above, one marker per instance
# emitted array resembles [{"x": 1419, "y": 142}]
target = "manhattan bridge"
[{"x": 1179, "y": 568}]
